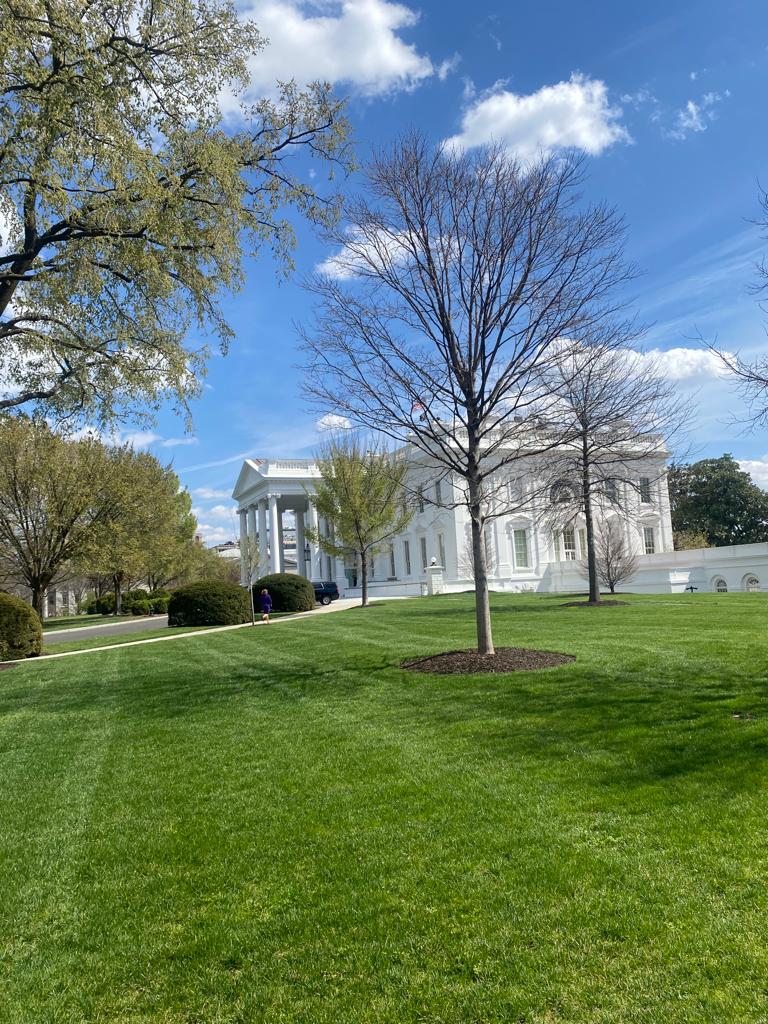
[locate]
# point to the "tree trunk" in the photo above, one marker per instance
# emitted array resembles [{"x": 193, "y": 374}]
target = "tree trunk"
[
  {"x": 479, "y": 570},
  {"x": 38, "y": 598},
  {"x": 594, "y": 585},
  {"x": 364, "y": 577},
  {"x": 117, "y": 583}
]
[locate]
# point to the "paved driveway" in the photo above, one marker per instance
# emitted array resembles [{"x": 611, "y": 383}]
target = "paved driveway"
[{"x": 139, "y": 625}]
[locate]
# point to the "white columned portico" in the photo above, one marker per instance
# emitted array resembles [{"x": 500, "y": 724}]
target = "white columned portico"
[
  {"x": 275, "y": 536},
  {"x": 263, "y": 549},
  {"x": 301, "y": 565},
  {"x": 243, "y": 540}
]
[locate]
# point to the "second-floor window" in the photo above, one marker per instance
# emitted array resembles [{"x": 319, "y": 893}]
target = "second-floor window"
[
  {"x": 611, "y": 490},
  {"x": 420, "y": 499},
  {"x": 438, "y": 492},
  {"x": 423, "y": 545},
  {"x": 407, "y": 557},
  {"x": 645, "y": 490}
]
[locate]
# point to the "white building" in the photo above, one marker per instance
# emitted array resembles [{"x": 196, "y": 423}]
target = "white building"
[{"x": 527, "y": 549}]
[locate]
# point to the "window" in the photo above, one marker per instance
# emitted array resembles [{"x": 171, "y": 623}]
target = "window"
[
  {"x": 721, "y": 586},
  {"x": 569, "y": 544},
  {"x": 561, "y": 493},
  {"x": 438, "y": 492},
  {"x": 423, "y": 546},
  {"x": 645, "y": 490},
  {"x": 392, "y": 568},
  {"x": 649, "y": 540},
  {"x": 515, "y": 491},
  {"x": 407, "y": 557},
  {"x": 752, "y": 584},
  {"x": 420, "y": 499},
  {"x": 520, "y": 548},
  {"x": 441, "y": 549},
  {"x": 611, "y": 490}
]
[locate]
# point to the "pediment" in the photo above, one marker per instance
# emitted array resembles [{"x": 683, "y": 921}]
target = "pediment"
[{"x": 248, "y": 476}]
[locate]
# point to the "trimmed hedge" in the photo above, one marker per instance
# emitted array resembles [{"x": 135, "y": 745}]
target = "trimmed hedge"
[
  {"x": 21, "y": 635},
  {"x": 209, "y": 603},
  {"x": 289, "y": 592}
]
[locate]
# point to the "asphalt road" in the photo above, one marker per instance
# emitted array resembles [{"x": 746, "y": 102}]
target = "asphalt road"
[{"x": 141, "y": 625}]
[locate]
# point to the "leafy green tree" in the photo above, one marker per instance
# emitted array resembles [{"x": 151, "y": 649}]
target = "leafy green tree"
[
  {"x": 360, "y": 495},
  {"x": 147, "y": 518},
  {"x": 717, "y": 499},
  {"x": 54, "y": 495},
  {"x": 174, "y": 543},
  {"x": 690, "y": 540},
  {"x": 127, "y": 203}
]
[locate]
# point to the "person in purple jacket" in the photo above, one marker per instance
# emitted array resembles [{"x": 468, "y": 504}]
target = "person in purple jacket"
[{"x": 266, "y": 605}]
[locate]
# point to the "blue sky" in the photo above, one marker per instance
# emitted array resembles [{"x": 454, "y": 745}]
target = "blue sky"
[{"x": 668, "y": 100}]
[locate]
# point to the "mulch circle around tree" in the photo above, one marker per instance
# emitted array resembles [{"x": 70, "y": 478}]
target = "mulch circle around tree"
[
  {"x": 593, "y": 604},
  {"x": 7, "y": 664},
  {"x": 470, "y": 662}
]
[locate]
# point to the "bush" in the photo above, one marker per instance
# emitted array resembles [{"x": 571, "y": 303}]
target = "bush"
[
  {"x": 140, "y": 608},
  {"x": 159, "y": 605},
  {"x": 103, "y": 605},
  {"x": 21, "y": 635},
  {"x": 289, "y": 593},
  {"x": 209, "y": 603}
]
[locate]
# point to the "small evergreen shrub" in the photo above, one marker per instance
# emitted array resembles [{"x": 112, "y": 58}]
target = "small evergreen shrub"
[
  {"x": 21, "y": 635},
  {"x": 289, "y": 592},
  {"x": 103, "y": 605},
  {"x": 209, "y": 603},
  {"x": 140, "y": 608},
  {"x": 158, "y": 602}
]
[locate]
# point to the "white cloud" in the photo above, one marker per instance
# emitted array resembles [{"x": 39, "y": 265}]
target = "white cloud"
[
  {"x": 175, "y": 442},
  {"x": 573, "y": 114},
  {"x": 214, "y": 534},
  {"x": 696, "y": 117},
  {"x": 225, "y": 512},
  {"x": 332, "y": 422},
  {"x": 757, "y": 469},
  {"x": 210, "y": 493},
  {"x": 688, "y": 363},
  {"x": 355, "y": 43}
]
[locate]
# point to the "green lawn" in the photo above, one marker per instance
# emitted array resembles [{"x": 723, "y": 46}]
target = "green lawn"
[
  {"x": 79, "y": 621},
  {"x": 280, "y": 825}
]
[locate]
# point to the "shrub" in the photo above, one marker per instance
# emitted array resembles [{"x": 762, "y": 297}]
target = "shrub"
[
  {"x": 129, "y": 598},
  {"x": 103, "y": 605},
  {"x": 209, "y": 603},
  {"x": 289, "y": 593},
  {"x": 21, "y": 635},
  {"x": 159, "y": 605},
  {"x": 140, "y": 607}
]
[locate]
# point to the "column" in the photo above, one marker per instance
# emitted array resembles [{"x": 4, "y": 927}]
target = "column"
[
  {"x": 314, "y": 550},
  {"x": 243, "y": 541},
  {"x": 263, "y": 549},
  {"x": 301, "y": 565},
  {"x": 252, "y": 543},
  {"x": 281, "y": 541},
  {"x": 275, "y": 552}
]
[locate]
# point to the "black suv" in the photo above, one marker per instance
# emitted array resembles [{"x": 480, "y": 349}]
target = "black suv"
[{"x": 326, "y": 592}]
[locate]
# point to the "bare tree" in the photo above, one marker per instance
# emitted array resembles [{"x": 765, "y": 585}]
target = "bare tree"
[
  {"x": 250, "y": 562},
  {"x": 614, "y": 561},
  {"x": 614, "y": 411},
  {"x": 437, "y": 314}
]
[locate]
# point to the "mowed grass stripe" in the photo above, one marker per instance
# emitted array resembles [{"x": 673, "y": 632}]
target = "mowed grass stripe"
[{"x": 282, "y": 825}]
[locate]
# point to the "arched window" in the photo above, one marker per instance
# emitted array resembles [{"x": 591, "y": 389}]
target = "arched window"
[
  {"x": 561, "y": 492},
  {"x": 751, "y": 583},
  {"x": 721, "y": 586}
]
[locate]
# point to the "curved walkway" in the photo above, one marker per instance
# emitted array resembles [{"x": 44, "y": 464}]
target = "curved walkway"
[
  {"x": 138, "y": 625},
  {"x": 336, "y": 606}
]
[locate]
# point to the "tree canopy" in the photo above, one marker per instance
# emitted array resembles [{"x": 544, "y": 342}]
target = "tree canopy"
[
  {"x": 127, "y": 202},
  {"x": 717, "y": 499},
  {"x": 360, "y": 495}
]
